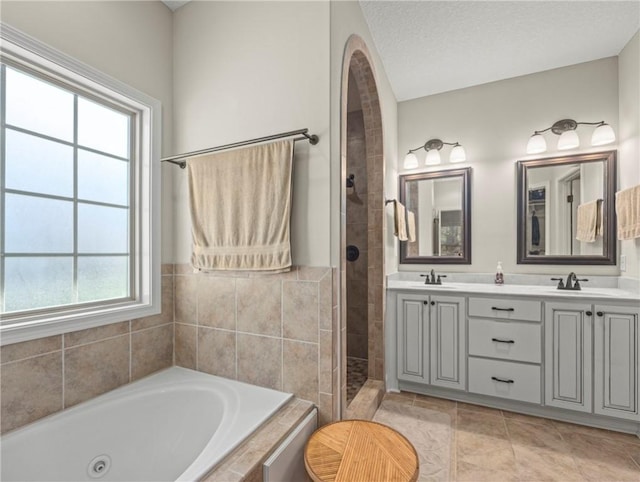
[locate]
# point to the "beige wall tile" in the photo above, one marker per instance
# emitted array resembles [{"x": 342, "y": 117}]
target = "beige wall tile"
[
  {"x": 326, "y": 362},
  {"x": 217, "y": 352},
  {"x": 259, "y": 306},
  {"x": 217, "y": 302},
  {"x": 185, "y": 345},
  {"x": 95, "y": 334},
  {"x": 165, "y": 316},
  {"x": 260, "y": 360},
  {"x": 186, "y": 299},
  {"x": 300, "y": 310},
  {"x": 166, "y": 268},
  {"x": 325, "y": 302},
  {"x": 325, "y": 409},
  {"x": 182, "y": 268},
  {"x": 26, "y": 349},
  {"x": 151, "y": 350},
  {"x": 96, "y": 368},
  {"x": 301, "y": 369},
  {"x": 312, "y": 273},
  {"x": 31, "y": 389}
]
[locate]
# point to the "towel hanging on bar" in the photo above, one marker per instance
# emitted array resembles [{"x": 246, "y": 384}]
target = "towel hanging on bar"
[
  {"x": 241, "y": 208},
  {"x": 628, "y": 213}
]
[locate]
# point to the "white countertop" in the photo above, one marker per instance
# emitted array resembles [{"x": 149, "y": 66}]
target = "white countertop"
[{"x": 536, "y": 291}]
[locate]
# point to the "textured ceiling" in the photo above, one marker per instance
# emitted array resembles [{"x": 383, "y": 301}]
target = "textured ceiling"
[{"x": 429, "y": 47}]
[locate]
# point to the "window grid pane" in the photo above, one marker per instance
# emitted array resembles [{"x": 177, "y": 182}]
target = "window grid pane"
[{"x": 93, "y": 276}]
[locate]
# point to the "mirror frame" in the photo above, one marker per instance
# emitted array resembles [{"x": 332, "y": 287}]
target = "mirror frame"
[
  {"x": 465, "y": 173},
  {"x": 609, "y": 237}
]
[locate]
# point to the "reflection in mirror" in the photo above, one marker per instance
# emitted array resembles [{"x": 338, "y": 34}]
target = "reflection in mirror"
[
  {"x": 565, "y": 210},
  {"x": 440, "y": 202}
]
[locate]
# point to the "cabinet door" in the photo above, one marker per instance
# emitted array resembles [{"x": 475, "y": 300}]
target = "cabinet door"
[
  {"x": 448, "y": 339},
  {"x": 568, "y": 356},
  {"x": 413, "y": 356},
  {"x": 616, "y": 361}
]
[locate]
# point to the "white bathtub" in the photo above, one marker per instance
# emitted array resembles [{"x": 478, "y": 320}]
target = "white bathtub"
[{"x": 174, "y": 425}]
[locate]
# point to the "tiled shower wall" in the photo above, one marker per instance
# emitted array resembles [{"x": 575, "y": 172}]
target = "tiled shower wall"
[
  {"x": 46, "y": 375},
  {"x": 276, "y": 331},
  {"x": 357, "y": 235}
]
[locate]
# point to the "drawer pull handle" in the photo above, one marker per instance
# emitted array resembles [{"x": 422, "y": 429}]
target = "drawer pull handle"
[
  {"x": 498, "y": 340},
  {"x": 501, "y": 380},
  {"x": 502, "y": 309}
]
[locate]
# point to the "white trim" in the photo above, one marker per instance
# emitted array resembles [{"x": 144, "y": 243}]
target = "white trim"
[{"x": 20, "y": 48}]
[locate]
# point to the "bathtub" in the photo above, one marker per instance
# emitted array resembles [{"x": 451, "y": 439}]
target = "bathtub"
[{"x": 173, "y": 425}]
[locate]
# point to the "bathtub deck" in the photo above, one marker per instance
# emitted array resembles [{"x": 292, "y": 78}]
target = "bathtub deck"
[{"x": 245, "y": 462}]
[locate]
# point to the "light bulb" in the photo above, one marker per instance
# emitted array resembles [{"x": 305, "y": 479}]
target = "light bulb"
[
  {"x": 603, "y": 135},
  {"x": 536, "y": 144},
  {"x": 433, "y": 157},
  {"x": 568, "y": 140},
  {"x": 457, "y": 154},
  {"x": 410, "y": 161}
]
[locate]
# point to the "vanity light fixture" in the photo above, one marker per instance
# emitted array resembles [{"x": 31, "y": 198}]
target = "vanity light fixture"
[
  {"x": 433, "y": 147},
  {"x": 566, "y": 129}
]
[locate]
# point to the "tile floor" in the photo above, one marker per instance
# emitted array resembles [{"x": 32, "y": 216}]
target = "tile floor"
[
  {"x": 494, "y": 445},
  {"x": 357, "y": 372}
]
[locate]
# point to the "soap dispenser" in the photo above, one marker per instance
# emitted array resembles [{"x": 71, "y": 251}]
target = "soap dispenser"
[{"x": 499, "y": 274}]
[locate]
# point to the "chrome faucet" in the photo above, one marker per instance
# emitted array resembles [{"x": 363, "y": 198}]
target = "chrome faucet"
[
  {"x": 430, "y": 279},
  {"x": 573, "y": 283}
]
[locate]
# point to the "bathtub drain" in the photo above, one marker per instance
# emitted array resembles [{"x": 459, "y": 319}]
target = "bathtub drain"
[{"x": 99, "y": 466}]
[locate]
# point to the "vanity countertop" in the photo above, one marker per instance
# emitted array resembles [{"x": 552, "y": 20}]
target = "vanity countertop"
[{"x": 533, "y": 291}]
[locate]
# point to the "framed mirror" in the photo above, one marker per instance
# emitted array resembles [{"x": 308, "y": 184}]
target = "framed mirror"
[
  {"x": 566, "y": 209},
  {"x": 441, "y": 204}
]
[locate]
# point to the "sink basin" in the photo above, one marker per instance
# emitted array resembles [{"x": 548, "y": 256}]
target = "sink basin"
[
  {"x": 583, "y": 292},
  {"x": 421, "y": 284}
]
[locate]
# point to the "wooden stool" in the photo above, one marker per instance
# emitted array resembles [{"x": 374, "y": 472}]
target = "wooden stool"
[{"x": 360, "y": 451}]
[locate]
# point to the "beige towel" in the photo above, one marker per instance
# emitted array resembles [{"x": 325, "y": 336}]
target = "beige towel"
[
  {"x": 589, "y": 221},
  {"x": 628, "y": 213},
  {"x": 411, "y": 226},
  {"x": 241, "y": 207},
  {"x": 400, "y": 221}
]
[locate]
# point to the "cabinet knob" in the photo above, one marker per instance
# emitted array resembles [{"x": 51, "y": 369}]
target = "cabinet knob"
[
  {"x": 433, "y": 303},
  {"x": 599, "y": 313},
  {"x": 425, "y": 302},
  {"x": 588, "y": 313}
]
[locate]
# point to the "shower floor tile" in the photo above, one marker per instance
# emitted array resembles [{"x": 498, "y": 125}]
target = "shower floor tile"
[{"x": 357, "y": 373}]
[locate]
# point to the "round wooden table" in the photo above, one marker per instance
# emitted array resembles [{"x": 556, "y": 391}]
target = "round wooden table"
[{"x": 360, "y": 451}]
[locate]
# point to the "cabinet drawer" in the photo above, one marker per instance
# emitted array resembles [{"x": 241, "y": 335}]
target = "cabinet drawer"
[
  {"x": 504, "y": 379},
  {"x": 507, "y": 309},
  {"x": 505, "y": 339}
]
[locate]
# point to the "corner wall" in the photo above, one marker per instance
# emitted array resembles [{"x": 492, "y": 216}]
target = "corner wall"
[
  {"x": 629, "y": 138},
  {"x": 244, "y": 70}
]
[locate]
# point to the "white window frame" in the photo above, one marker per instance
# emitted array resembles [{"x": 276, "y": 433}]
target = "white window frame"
[{"x": 20, "y": 49}]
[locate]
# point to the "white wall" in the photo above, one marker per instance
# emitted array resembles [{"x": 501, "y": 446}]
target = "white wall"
[
  {"x": 493, "y": 122},
  {"x": 629, "y": 138},
  {"x": 248, "y": 69},
  {"x": 130, "y": 41},
  {"x": 346, "y": 20}
]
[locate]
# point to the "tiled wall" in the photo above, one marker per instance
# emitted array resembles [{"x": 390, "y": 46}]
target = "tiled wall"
[
  {"x": 275, "y": 331},
  {"x": 357, "y": 235},
  {"x": 44, "y": 376}
]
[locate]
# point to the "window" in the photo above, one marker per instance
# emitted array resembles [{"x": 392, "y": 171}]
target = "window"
[{"x": 78, "y": 195}]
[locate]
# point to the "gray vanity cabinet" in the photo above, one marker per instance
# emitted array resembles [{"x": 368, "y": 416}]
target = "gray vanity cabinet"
[
  {"x": 431, "y": 340},
  {"x": 448, "y": 340},
  {"x": 413, "y": 338},
  {"x": 568, "y": 328},
  {"x": 616, "y": 361}
]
